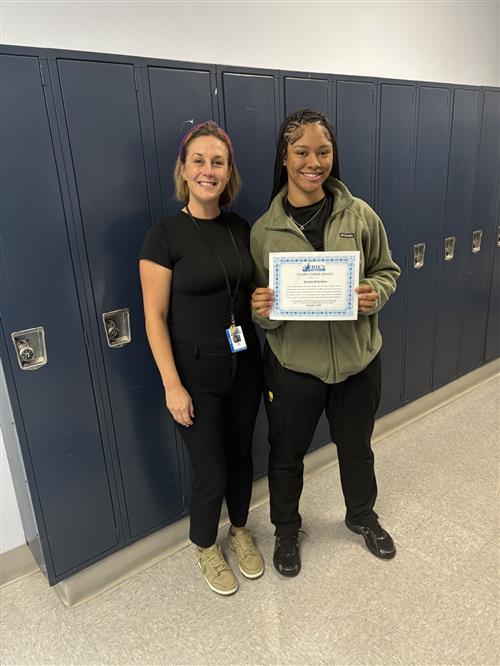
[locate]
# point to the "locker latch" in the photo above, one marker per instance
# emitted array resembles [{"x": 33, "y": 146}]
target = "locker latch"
[
  {"x": 30, "y": 348},
  {"x": 418, "y": 255},
  {"x": 117, "y": 327},
  {"x": 476, "y": 241},
  {"x": 449, "y": 248}
]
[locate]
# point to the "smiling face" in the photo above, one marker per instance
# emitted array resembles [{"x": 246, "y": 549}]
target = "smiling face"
[
  {"x": 206, "y": 170},
  {"x": 309, "y": 161}
]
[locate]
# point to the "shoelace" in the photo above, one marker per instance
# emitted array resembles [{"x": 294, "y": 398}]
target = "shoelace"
[
  {"x": 217, "y": 561},
  {"x": 244, "y": 543}
]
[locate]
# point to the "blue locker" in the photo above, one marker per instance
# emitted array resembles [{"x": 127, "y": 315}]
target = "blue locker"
[
  {"x": 249, "y": 113},
  {"x": 450, "y": 271},
  {"x": 100, "y": 111},
  {"x": 67, "y": 465},
  {"x": 180, "y": 99},
  {"x": 313, "y": 93},
  {"x": 356, "y": 137},
  {"x": 397, "y": 120},
  {"x": 425, "y": 225},
  {"x": 484, "y": 219},
  {"x": 493, "y": 330}
]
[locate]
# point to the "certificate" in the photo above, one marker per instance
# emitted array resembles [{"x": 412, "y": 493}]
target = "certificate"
[{"x": 314, "y": 286}]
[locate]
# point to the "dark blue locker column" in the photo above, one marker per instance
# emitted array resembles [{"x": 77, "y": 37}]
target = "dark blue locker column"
[
  {"x": 250, "y": 117},
  {"x": 312, "y": 93},
  {"x": 58, "y": 426},
  {"x": 493, "y": 330},
  {"x": 356, "y": 136},
  {"x": 450, "y": 273},
  {"x": 100, "y": 109},
  {"x": 397, "y": 120},
  {"x": 425, "y": 228},
  {"x": 180, "y": 99},
  {"x": 249, "y": 113},
  {"x": 483, "y": 219}
]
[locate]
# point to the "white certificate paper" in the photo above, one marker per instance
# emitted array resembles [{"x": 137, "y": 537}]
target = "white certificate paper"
[{"x": 315, "y": 285}]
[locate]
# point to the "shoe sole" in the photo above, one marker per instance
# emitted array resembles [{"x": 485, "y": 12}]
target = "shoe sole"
[
  {"x": 381, "y": 556},
  {"x": 247, "y": 575},
  {"x": 224, "y": 593}
]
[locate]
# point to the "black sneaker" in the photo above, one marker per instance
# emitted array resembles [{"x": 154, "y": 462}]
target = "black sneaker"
[
  {"x": 378, "y": 541},
  {"x": 286, "y": 557}
]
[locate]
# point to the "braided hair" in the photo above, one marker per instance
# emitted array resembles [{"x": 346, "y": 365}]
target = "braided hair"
[{"x": 287, "y": 130}]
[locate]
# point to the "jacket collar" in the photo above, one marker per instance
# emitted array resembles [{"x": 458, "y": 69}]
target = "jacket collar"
[{"x": 276, "y": 218}]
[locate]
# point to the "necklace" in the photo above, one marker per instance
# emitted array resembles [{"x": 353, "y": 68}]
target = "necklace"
[{"x": 302, "y": 226}]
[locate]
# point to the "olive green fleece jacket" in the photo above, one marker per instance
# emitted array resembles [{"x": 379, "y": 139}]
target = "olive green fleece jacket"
[{"x": 330, "y": 350}]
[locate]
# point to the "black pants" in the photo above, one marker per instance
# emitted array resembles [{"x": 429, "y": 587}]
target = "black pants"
[
  {"x": 294, "y": 403},
  {"x": 225, "y": 389}
]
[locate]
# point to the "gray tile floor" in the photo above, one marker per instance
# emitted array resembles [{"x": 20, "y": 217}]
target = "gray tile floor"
[{"x": 435, "y": 603}]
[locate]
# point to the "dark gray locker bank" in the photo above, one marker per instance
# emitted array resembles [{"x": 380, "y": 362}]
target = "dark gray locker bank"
[
  {"x": 481, "y": 236},
  {"x": 397, "y": 122},
  {"x": 426, "y": 220},
  {"x": 110, "y": 191},
  {"x": 451, "y": 250},
  {"x": 60, "y": 429}
]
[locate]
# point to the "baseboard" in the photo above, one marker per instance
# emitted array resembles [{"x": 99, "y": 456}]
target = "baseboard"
[
  {"x": 121, "y": 565},
  {"x": 16, "y": 563}
]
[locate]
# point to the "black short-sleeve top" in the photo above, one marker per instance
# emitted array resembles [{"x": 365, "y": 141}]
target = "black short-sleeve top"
[{"x": 199, "y": 309}]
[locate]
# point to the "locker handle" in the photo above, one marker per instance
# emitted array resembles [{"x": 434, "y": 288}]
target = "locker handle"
[
  {"x": 498, "y": 237},
  {"x": 418, "y": 255},
  {"x": 449, "y": 248},
  {"x": 30, "y": 348},
  {"x": 476, "y": 241},
  {"x": 117, "y": 327}
]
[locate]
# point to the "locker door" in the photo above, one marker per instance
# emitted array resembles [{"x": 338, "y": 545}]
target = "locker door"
[
  {"x": 493, "y": 330},
  {"x": 483, "y": 218},
  {"x": 451, "y": 270},
  {"x": 301, "y": 93},
  {"x": 394, "y": 186},
  {"x": 249, "y": 104},
  {"x": 356, "y": 131},
  {"x": 425, "y": 227},
  {"x": 60, "y": 432},
  {"x": 100, "y": 110},
  {"x": 180, "y": 100}
]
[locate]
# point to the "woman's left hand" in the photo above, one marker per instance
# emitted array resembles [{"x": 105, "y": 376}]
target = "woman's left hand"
[{"x": 367, "y": 297}]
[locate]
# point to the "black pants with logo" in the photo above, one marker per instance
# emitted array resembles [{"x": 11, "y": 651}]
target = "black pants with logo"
[
  {"x": 294, "y": 403},
  {"x": 226, "y": 390}
]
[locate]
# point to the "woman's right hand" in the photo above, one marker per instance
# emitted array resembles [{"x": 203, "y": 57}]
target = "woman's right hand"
[
  {"x": 262, "y": 301},
  {"x": 180, "y": 405}
]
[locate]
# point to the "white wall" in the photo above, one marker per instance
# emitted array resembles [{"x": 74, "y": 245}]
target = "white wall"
[{"x": 454, "y": 42}]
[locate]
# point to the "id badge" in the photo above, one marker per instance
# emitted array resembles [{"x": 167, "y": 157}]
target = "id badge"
[{"x": 236, "y": 338}]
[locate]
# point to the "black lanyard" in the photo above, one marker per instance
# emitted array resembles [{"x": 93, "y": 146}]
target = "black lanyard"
[{"x": 231, "y": 295}]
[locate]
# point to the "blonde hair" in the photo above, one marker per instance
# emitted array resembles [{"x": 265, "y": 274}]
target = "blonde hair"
[{"x": 209, "y": 128}]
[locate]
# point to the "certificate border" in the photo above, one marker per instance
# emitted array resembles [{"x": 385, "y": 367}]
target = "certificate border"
[{"x": 348, "y": 312}]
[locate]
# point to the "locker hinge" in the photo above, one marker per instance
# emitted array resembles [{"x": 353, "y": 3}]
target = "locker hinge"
[
  {"x": 42, "y": 74},
  {"x": 137, "y": 82}
]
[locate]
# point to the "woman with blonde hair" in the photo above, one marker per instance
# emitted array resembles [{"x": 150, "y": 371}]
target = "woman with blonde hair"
[{"x": 195, "y": 272}]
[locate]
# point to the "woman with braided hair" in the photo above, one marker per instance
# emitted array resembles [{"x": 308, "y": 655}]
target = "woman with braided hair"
[
  {"x": 196, "y": 270},
  {"x": 316, "y": 366}
]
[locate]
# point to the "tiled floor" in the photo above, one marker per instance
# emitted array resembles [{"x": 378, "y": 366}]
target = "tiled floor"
[{"x": 435, "y": 603}]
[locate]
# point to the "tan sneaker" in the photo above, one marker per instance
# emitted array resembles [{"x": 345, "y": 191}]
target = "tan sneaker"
[
  {"x": 218, "y": 574},
  {"x": 250, "y": 560}
]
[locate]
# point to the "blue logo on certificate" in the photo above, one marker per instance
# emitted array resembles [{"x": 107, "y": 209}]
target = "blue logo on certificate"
[{"x": 314, "y": 286}]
